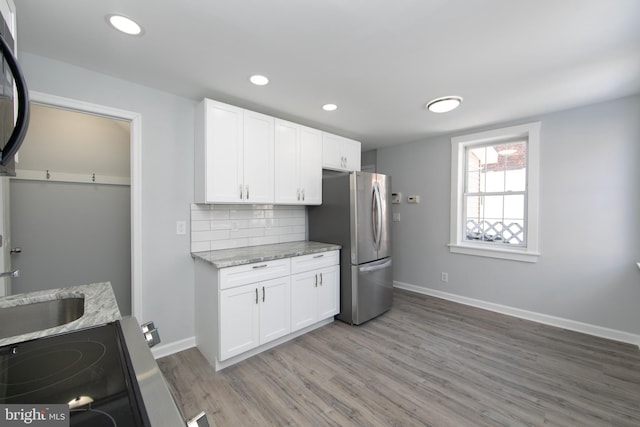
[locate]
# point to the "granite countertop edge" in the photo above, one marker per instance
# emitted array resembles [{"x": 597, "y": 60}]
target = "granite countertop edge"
[
  {"x": 100, "y": 307},
  {"x": 223, "y": 258}
]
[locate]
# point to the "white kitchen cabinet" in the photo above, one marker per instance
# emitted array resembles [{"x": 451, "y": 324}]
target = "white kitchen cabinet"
[
  {"x": 340, "y": 153},
  {"x": 233, "y": 155},
  {"x": 298, "y": 164},
  {"x": 245, "y": 309},
  {"x": 315, "y": 289},
  {"x": 252, "y": 315}
]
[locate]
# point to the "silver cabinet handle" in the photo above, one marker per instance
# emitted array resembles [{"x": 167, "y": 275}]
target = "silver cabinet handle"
[
  {"x": 256, "y": 295},
  {"x": 320, "y": 279},
  {"x": 318, "y": 256},
  {"x": 15, "y": 251},
  {"x": 303, "y": 194},
  {"x": 263, "y": 294},
  {"x": 240, "y": 192},
  {"x": 259, "y": 266},
  {"x": 298, "y": 194},
  {"x": 247, "y": 191},
  {"x": 316, "y": 284}
]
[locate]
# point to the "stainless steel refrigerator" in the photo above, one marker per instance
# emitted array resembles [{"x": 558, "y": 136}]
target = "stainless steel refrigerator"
[{"x": 355, "y": 213}]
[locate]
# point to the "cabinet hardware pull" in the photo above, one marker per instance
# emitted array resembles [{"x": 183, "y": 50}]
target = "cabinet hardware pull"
[
  {"x": 256, "y": 295},
  {"x": 247, "y": 188},
  {"x": 320, "y": 279},
  {"x": 241, "y": 192},
  {"x": 303, "y": 194},
  {"x": 316, "y": 280},
  {"x": 263, "y": 294},
  {"x": 259, "y": 266},
  {"x": 318, "y": 256},
  {"x": 298, "y": 194}
]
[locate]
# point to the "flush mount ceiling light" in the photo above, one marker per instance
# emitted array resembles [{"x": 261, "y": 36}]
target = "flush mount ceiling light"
[
  {"x": 258, "y": 80},
  {"x": 444, "y": 104},
  {"x": 124, "y": 24},
  {"x": 329, "y": 107}
]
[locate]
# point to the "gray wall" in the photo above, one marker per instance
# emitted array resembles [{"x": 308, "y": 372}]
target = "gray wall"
[
  {"x": 167, "y": 181},
  {"x": 589, "y": 221},
  {"x": 71, "y": 234}
]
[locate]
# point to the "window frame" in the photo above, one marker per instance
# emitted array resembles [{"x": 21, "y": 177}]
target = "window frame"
[{"x": 530, "y": 251}]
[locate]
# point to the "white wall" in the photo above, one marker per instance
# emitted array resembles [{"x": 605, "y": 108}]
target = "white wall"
[
  {"x": 589, "y": 213},
  {"x": 167, "y": 181}
]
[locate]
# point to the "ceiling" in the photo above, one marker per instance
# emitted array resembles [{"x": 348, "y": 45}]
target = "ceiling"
[{"x": 380, "y": 61}]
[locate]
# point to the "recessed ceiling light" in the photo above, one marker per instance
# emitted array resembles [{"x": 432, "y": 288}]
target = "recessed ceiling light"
[
  {"x": 329, "y": 107},
  {"x": 258, "y": 80},
  {"x": 444, "y": 104},
  {"x": 124, "y": 24}
]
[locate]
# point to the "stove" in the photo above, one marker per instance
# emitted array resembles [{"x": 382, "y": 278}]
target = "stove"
[{"x": 89, "y": 370}]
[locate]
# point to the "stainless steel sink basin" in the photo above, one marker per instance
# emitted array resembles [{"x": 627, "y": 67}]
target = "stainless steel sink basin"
[{"x": 33, "y": 317}]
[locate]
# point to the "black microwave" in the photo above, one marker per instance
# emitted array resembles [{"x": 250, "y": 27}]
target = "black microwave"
[{"x": 14, "y": 97}]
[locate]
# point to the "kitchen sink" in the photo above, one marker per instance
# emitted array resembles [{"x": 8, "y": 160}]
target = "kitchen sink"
[{"x": 35, "y": 316}]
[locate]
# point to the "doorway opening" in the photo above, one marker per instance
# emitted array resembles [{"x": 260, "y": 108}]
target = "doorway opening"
[{"x": 74, "y": 203}]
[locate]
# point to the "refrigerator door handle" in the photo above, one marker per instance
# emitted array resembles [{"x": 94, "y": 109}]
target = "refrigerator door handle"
[
  {"x": 376, "y": 207},
  {"x": 376, "y": 267}
]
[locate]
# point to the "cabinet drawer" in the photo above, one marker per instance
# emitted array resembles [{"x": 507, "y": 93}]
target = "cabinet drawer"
[
  {"x": 304, "y": 263},
  {"x": 251, "y": 273}
]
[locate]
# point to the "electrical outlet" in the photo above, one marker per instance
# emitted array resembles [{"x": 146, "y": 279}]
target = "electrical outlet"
[{"x": 445, "y": 277}]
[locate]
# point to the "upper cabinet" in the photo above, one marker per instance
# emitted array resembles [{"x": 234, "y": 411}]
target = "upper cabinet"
[
  {"x": 340, "y": 153},
  {"x": 298, "y": 165},
  {"x": 234, "y": 157}
]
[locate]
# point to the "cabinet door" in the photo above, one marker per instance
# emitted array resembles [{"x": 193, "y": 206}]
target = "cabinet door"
[
  {"x": 340, "y": 153},
  {"x": 328, "y": 292},
  {"x": 275, "y": 312},
  {"x": 311, "y": 165},
  {"x": 351, "y": 154},
  {"x": 331, "y": 152},
  {"x": 258, "y": 158},
  {"x": 239, "y": 320},
  {"x": 303, "y": 300},
  {"x": 223, "y": 160},
  {"x": 287, "y": 186}
]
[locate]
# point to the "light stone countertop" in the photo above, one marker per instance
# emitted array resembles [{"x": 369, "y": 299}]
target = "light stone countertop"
[
  {"x": 249, "y": 254},
  {"x": 100, "y": 307}
]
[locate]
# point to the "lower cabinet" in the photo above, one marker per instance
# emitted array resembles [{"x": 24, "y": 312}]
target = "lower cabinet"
[
  {"x": 314, "y": 296},
  {"x": 245, "y": 309},
  {"x": 253, "y": 315}
]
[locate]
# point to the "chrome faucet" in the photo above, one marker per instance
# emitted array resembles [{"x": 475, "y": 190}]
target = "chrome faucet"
[{"x": 14, "y": 273}]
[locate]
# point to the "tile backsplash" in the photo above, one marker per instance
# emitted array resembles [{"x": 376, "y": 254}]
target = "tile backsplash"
[{"x": 232, "y": 226}]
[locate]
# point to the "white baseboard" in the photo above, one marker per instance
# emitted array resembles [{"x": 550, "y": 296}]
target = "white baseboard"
[
  {"x": 559, "y": 322},
  {"x": 173, "y": 347}
]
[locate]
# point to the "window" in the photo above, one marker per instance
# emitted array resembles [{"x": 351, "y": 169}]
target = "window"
[{"x": 494, "y": 193}]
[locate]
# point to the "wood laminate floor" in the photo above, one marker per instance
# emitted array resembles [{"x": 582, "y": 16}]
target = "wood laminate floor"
[{"x": 425, "y": 362}]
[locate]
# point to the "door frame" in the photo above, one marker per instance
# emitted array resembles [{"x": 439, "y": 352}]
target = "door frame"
[{"x": 135, "y": 120}]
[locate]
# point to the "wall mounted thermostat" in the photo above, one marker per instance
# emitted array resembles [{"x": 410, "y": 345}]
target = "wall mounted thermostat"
[
  {"x": 413, "y": 199},
  {"x": 396, "y": 198}
]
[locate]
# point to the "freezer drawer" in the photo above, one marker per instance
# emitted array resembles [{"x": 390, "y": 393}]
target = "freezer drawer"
[{"x": 372, "y": 290}]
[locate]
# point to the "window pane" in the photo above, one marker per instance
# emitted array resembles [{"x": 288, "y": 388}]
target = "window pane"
[
  {"x": 514, "y": 207},
  {"x": 513, "y": 232},
  {"x": 516, "y": 155},
  {"x": 493, "y": 206},
  {"x": 495, "y": 181},
  {"x": 475, "y": 182},
  {"x": 475, "y": 158},
  {"x": 474, "y": 207},
  {"x": 516, "y": 180}
]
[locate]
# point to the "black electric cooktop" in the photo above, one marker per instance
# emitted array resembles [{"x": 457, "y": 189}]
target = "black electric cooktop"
[{"x": 87, "y": 369}]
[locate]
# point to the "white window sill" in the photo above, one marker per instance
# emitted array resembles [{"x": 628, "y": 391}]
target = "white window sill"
[{"x": 494, "y": 252}]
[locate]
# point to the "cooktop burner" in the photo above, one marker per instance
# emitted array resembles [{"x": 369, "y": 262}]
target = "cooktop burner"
[{"x": 87, "y": 369}]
